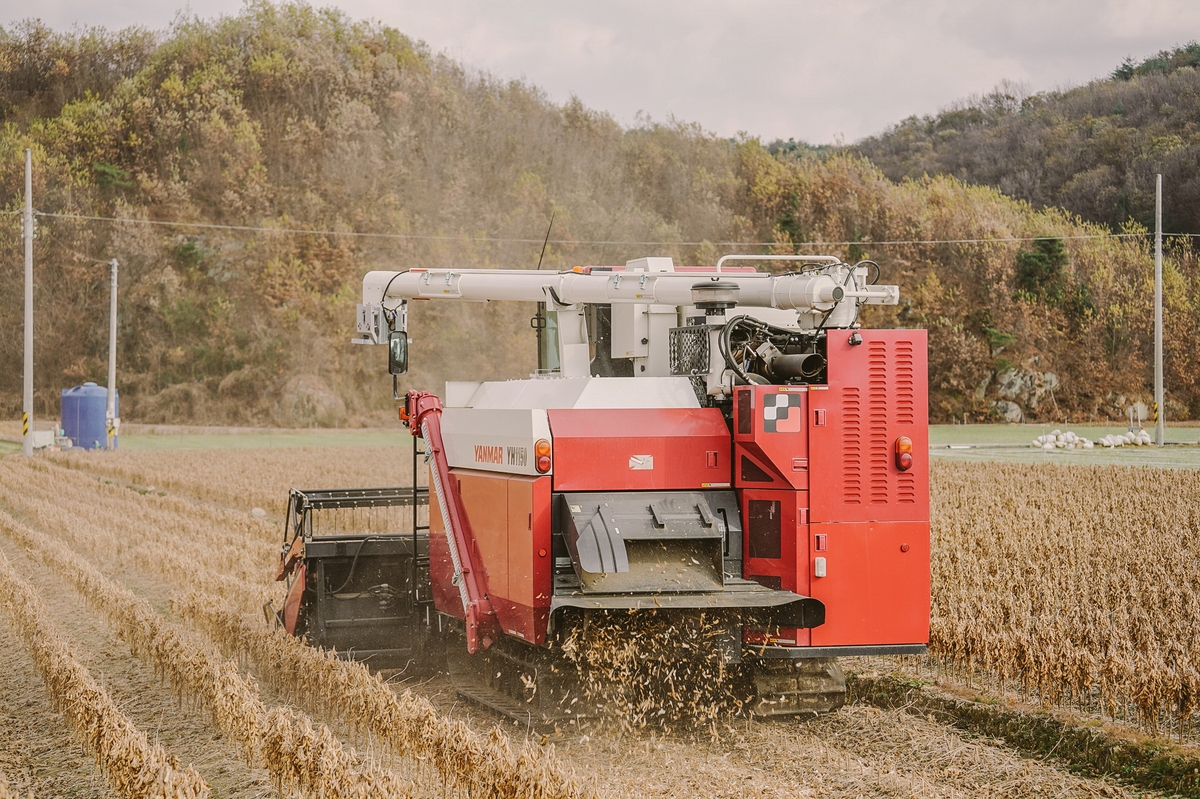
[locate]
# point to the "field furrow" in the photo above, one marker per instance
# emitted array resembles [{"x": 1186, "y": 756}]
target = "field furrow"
[{"x": 167, "y": 715}]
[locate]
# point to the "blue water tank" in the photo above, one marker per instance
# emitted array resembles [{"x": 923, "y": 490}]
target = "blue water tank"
[{"x": 84, "y": 415}]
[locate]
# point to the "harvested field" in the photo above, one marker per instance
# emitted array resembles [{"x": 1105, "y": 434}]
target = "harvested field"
[
  {"x": 133, "y": 765},
  {"x": 246, "y": 479},
  {"x": 179, "y": 572}
]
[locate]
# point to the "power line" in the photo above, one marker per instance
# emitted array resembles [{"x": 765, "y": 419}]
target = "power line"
[
  {"x": 77, "y": 253},
  {"x": 505, "y": 240},
  {"x": 256, "y": 228}
]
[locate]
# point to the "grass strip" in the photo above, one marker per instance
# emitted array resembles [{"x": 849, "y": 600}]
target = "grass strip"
[{"x": 1090, "y": 751}]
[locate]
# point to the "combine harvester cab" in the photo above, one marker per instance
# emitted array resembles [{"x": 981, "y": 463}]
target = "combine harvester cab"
[{"x": 709, "y": 443}]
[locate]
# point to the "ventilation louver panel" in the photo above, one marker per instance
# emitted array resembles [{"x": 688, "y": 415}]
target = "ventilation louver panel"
[
  {"x": 852, "y": 447},
  {"x": 904, "y": 391},
  {"x": 877, "y": 420}
]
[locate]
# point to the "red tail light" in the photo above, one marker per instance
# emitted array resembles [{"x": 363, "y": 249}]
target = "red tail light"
[{"x": 904, "y": 453}]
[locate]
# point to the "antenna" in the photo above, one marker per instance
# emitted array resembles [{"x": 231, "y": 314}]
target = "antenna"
[{"x": 547, "y": 241}]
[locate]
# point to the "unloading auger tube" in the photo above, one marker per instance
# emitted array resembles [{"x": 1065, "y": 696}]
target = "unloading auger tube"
[
  {"x": 423, "y": 415},
  {"x": 802, "y": 291}
]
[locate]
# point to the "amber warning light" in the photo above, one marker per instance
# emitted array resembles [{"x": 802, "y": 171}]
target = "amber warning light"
[
  {"x": 904, "y": 453},
  {"x": 542, "y": 450}
]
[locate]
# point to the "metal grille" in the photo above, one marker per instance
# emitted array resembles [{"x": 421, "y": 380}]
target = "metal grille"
[
  {"x": 906, "y": 491},
  {"x": 906, "y": 488},
  {"x": 877, "y": 403},
  {"x": 904, "y": 383},
  {"x": 689, "y": 350},
  {"x": 851, "y": 447},
  {"x": 689, "y": 357}
]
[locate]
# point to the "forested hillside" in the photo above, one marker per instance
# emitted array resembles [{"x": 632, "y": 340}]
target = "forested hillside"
[
  {"x": 1093, "y": 150},
  {"x": 295, "y": 119}
]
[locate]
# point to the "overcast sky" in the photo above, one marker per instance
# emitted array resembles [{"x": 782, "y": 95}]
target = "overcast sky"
[{"x": 818, "y": 71}]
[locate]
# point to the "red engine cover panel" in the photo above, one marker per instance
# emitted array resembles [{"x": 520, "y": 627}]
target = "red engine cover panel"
[
  {"x": 864, "y": 518},
  {"x": 639, "y": 449},
  {"x": 772, "y": 437},
  {"x": 878, "y": 391},
  {"x": 876, "y": 583}
]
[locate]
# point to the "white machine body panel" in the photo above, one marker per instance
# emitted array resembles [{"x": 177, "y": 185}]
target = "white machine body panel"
[
  {"x": 495, "y": 426},
  {"x": 494, "y": 439},
  {"x": 574, "y": 392}
]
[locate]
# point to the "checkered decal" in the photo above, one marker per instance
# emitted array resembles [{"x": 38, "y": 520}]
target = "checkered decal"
[{"x": 781, "y": 413}]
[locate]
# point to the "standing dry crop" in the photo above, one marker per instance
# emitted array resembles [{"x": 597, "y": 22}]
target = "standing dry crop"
[{"x": 1080, "y": 584}]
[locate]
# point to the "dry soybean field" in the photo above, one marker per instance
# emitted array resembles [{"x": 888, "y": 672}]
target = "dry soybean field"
[{"x": 137, "y": 662}]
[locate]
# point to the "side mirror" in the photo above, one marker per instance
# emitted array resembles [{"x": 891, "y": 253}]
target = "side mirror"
[{"x": 397, "y": 352}]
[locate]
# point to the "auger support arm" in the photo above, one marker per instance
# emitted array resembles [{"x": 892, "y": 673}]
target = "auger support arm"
[{"x": 423, "y": 415}]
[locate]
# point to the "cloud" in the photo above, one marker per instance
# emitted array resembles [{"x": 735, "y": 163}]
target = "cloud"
[
  {"x": 1072, "y": 41},
  {"x": 772, "y": 68}
]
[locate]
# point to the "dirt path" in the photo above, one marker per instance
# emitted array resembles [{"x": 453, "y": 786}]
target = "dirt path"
[{"x": 859, "y": 751}]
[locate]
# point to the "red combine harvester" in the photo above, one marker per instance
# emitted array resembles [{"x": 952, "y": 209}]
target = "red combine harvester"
[{"x": 696, "y": 440}]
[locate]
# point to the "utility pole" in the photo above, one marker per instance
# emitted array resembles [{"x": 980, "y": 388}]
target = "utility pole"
[
  {"x": 1159, "y": 431},
  {"x": 27, "y": 415},
  {"x": 113, "y": 423}
]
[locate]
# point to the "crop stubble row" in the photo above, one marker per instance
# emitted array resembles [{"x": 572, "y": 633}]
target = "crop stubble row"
[
  {"x": 483, "y": 765},
  {"x": 162, "y": 535},
  {"x": 295, "y": 752},
  {"x": 135, "y": 767},
  {"x": 250, "y": 477}
]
